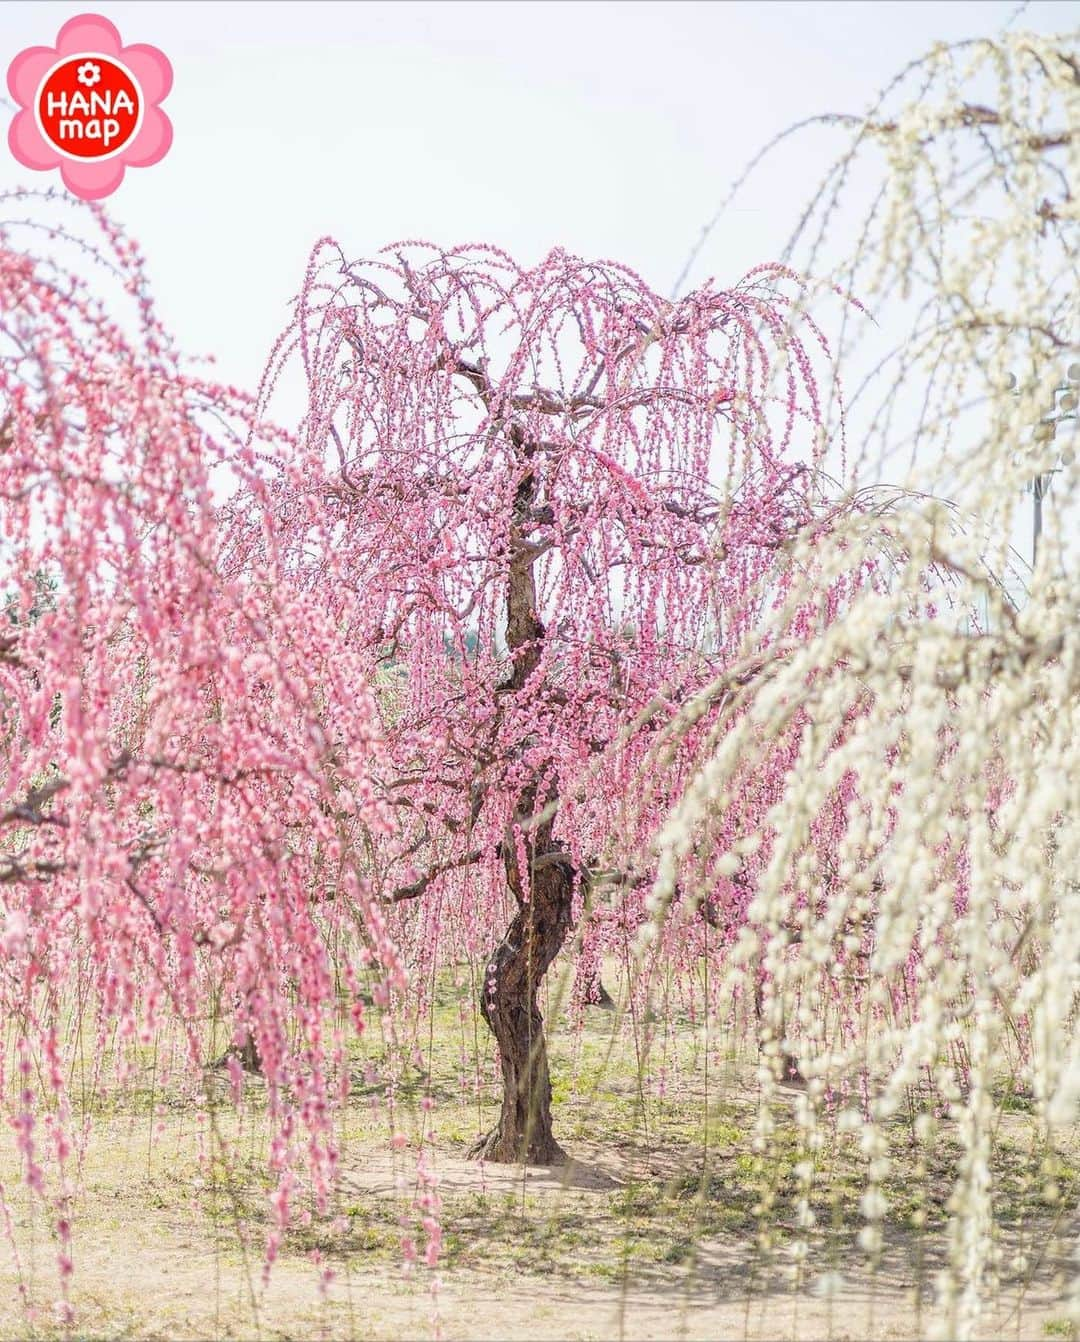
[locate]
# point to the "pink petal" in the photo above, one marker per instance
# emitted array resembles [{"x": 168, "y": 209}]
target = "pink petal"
[
  {"x": 152, "y": 142},
  {"x": 26, "y": 72},
  {"x": 27, "y": 144},
  {"x": 88, "y": 32},
  {"x": 92, "y": 181},
  {"x": 151, "y": 68}
]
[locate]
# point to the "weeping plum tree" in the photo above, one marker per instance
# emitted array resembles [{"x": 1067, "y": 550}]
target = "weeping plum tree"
[
  {"x": 924, "y": 959},
  {"x": 169, "y": 803},
  {"x": 541, "y": 504}
]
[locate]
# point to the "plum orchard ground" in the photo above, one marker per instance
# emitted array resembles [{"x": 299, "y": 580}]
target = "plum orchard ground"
[{"x": 629, "y": 1241}]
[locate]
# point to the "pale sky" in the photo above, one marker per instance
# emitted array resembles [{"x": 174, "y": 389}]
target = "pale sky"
[{"x": 612, "y": 130}]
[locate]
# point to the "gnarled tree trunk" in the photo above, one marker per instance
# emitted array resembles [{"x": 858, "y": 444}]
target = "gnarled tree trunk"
[
  {"x": 517, "y": 967},
  {"x": 509, "y": 1005}
]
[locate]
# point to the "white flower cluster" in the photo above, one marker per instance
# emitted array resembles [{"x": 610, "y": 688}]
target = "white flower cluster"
[{"x": 915, "y": 925}]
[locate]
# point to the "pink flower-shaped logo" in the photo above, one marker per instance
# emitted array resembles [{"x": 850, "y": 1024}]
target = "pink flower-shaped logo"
[{"x": 89, "y": 106}]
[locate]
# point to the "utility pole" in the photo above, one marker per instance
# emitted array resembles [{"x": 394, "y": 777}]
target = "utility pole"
[
  {"x": 1063, "y": 406},
  {"x": 1039, "y": 487}
]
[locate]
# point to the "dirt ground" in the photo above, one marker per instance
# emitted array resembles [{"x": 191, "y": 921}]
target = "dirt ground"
[
  {"x": 652, "y": 1232},
  {"x": 152, "y": 1262}
]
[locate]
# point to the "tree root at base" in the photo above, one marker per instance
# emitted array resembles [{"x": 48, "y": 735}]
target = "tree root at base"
[{"x": 494, "y": 1148}]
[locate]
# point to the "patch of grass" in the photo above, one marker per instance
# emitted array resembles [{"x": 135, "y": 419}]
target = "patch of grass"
[{"x": 685, "y": 1178}]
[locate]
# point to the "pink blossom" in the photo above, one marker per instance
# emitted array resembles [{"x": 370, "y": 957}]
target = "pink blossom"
[{"x": 16, "y": 929}]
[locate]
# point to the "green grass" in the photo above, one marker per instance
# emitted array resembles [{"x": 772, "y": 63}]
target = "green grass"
[{"x": 673, "y": 1169}]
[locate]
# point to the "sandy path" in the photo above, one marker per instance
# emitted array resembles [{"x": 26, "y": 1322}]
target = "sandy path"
[{"x": 146, "y": 1272}]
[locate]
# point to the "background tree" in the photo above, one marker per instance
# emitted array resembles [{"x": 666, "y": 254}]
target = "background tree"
[{"x": 541, "y": 504}]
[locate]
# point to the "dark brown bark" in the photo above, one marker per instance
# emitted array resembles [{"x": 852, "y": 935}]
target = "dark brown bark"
[
  {"x": 789, "y": 1064},
  {"x": 509, "y": 1005},
  {"x": 604, "y": 999},
  {"x": 543, "y": 895},
  {"x": 247, "y": 1052}
]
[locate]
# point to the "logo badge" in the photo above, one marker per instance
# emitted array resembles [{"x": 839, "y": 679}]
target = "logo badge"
[{"x": 89, "y": 106}]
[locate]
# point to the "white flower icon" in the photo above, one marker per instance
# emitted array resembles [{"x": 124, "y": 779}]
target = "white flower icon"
[{"x": 89, "y": 74}]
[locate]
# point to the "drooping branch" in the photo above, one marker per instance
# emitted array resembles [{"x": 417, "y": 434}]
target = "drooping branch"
[{"x": 418, "y": 887}]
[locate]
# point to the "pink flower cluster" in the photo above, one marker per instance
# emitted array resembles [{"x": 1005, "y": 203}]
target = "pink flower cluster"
[{"x": 189, "y": 738}]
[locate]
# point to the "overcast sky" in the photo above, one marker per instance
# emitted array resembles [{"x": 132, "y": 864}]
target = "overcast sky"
[{"x": 610, "y": 129}]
